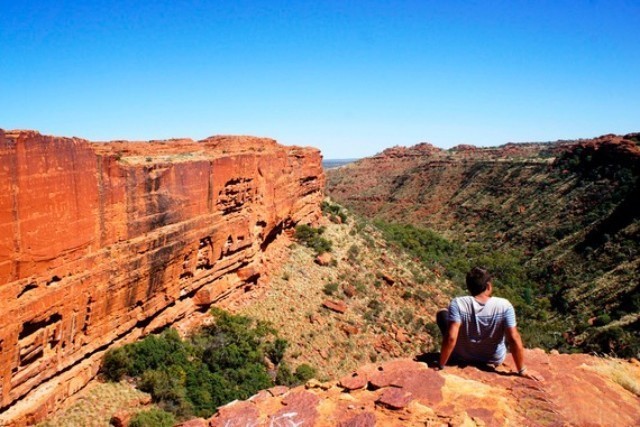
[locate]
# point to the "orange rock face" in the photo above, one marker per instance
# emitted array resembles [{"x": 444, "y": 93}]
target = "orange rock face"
[{"x": 101, "y": 243}]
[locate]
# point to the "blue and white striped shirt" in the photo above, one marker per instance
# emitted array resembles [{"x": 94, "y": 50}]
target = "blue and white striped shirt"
[{"x": 482, "y": 329}]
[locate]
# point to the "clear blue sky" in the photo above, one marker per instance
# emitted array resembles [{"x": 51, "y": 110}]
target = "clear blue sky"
[{"x": 349, "y": 77}]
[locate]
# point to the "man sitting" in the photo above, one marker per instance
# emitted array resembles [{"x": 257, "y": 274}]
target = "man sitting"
[{"x": 474, "y": 328}]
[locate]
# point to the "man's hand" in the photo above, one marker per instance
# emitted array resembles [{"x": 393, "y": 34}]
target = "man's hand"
[
  {"x": 532, "y": 375},
  {"x": 517, "y": 351}
]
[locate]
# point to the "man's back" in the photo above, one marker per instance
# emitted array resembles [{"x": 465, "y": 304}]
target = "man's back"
[{"x": 482, "y": 330}]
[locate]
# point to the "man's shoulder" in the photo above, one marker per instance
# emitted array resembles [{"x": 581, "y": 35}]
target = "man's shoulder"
[
  {"x": 501, "y": 302},
  {"x": 464, "y": 298}
]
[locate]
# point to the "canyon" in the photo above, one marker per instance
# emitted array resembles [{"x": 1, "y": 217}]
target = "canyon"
[
  {"x": 565, "y": 214},
  {"x": 102, "y": 243}
]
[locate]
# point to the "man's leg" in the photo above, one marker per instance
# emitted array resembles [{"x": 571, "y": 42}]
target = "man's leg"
[{"x": 442, "y": 319}]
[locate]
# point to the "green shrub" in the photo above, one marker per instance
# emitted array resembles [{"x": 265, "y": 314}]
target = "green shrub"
[
  {"x": 311, "y": 237},
  {"x": 614, "y": 341},
  {"x": 603, "y": 319},
  {"x": 330, "y": 288},
  {"x": 277, "y": 349},
  {"x": 284, "y": 376},
  {"x": 219, "y": 363},
  {"x": 116, "y": 364},
  {"x": 333, "y": 210},
  {"x": 353, "y": 252},
  {"x": 304, "y": 373},
  {"x": 152, "y": 418}
]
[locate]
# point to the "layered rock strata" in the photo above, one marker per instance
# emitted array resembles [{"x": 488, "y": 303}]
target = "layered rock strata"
[
  {"x": 578, "y": 390},
  {"x": 101, "y": 243}
]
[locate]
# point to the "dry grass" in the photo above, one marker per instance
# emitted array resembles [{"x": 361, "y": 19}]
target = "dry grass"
[
  {"x": 621, "y": 372},
  {"x": 293, "y": 302},
  {"x": 95, "y": 405}
]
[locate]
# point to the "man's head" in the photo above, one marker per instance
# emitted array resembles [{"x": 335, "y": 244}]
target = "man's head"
[{"x": 478, "y": 280}]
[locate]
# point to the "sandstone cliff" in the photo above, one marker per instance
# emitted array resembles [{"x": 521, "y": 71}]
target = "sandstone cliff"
[
  {"x": 101, "y": 243},
  {"x": 578, "y": 390}
]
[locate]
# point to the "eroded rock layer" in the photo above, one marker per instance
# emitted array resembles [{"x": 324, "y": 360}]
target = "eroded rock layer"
[
  {"x": 101, "y": 243},
  {"x": 578, "y": 390}
]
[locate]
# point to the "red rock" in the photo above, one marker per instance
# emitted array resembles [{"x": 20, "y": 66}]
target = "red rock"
[
  {"x": 354, "y": 381},
  {"x": 301, "y": 409},
  {"x": 578, "y": 391},
  {"x": 424, "y": 384},
  {"x": 143, "y": 400},
  {"x": 197, "y": 422},
  {"x": 337, "y": 306},
  {"x": 365, "y": 419},
  {"x": 387, "y": 278},
  {"x": 484, "y": 414},
  {"x": 350, "y": 329},
  {"x": 102, "y": 243},
  {"x": 395, "y": 398},
  {"x": 120, "y": 418},
  {"x": 278, "y": 390},
  {"x": 401, "y": 337},
  {"x": 350, "y": 291},
  {"x": 384, "y": 345},
  {"x": 248, "y": 273},
  {"x": 203, "y": 297},
  {"x": 260, "y": 396},
  {"x": 236, "y": 414},
  {"x": 324, "y": 259}
]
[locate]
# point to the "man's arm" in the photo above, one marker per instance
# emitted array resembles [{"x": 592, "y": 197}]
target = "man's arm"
[
  {"x": 517, "y": 350},
  {"x": 449, "y": 343}
]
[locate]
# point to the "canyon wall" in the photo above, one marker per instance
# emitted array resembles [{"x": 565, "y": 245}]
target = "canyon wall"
[
  {"x": 564, "y": 214},
  {"x": 101, "y": 243}
]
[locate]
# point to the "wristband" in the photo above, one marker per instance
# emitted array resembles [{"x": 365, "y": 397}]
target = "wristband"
[{"x": 522, "y": 370}]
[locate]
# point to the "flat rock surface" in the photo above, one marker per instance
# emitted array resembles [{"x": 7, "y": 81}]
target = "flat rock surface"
[{"x": 578, "y": 390}]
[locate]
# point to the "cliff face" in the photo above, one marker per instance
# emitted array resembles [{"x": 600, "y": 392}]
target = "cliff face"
[
  {"x": 578, "y": 390},
  {"x": 101, "y": 243}
]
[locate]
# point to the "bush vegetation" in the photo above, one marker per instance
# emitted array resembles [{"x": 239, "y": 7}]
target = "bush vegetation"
[
  {"x": 334, "y": 211},
  {"x": 536, "y": 289},
  {"x": 152, "y": 418},
  {"x": 217, "y": 364},
  {"x": 512, "y": 279},
  {"x": 312, "y": 238},
  {"x": 330, "y": 288}
]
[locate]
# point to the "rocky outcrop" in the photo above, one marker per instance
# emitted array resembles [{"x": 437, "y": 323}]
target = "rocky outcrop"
[
  {"x": 578, "y": 390},
  {"x": 101, "y": 243}
]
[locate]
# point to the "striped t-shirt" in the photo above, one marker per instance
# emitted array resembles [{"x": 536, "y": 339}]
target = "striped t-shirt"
[{"x": 482, "y": 329}]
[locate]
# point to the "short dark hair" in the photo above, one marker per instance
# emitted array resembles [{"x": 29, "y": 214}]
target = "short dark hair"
[{"x": 477, "y": 280}]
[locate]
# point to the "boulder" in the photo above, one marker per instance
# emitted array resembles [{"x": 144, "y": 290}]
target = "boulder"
[
  {"x": 324, "y": 259},
  {"x": 337, "y": 306}
]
